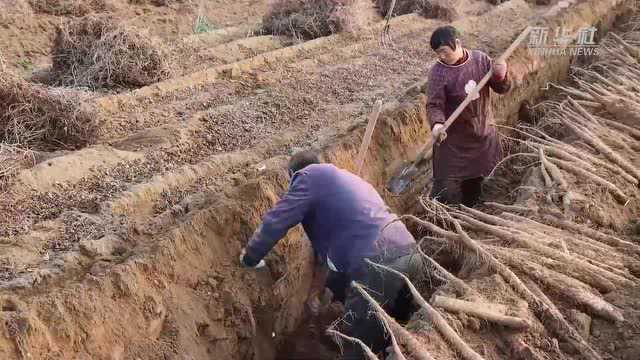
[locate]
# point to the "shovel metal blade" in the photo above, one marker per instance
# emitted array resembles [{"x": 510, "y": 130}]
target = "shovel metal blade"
[{"x": 399, "y": 183}]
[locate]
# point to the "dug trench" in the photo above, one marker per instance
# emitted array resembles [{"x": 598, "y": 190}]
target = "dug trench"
[{"x": 184, "y": 296}]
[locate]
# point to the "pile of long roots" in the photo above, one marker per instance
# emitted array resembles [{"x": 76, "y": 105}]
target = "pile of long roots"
[
  {"x": 95, "y": 52},
  {"x": 542, "y": 245}
]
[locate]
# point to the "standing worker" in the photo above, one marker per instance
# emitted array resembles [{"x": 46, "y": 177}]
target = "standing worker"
[
  {"x": 347, "y": 222},
  {"x": 471, "y": 149}
]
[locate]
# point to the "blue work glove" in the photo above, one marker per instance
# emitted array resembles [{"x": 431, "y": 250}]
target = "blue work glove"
[{"x": 248, "y": 262}]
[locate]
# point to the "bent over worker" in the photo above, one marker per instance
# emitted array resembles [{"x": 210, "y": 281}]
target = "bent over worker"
[
  {"x": 347, "y": 222},
  {"x": 471, "y": 149}
]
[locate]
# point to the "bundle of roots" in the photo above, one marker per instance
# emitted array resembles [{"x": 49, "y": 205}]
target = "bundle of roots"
[
  {"x": 535, "y": 255},
  {"x": 310, "y": 19},
  {"x": 617, "y": 88},
  {"x": 94, "y": 52},
  {"x": 601, "y": 150},
  {"x": 42, "y": 118},
  {"x": 432, "y": 9},
  {"x": 69, "y": 7}
]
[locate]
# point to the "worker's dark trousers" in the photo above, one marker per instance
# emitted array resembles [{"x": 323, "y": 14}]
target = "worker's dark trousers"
[
  {"x": 390, "y": 291},
  {"x": 457, "y": 191}
]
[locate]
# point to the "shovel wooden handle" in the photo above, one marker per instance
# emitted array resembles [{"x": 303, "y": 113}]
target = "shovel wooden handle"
[
  {"x": 484, "y": 81},
  {"x": 366, "y": 140}
]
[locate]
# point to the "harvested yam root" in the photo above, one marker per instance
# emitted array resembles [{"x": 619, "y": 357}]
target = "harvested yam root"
[
  {"x": 600, "y": 283},
  {"x": 367, "y": 351},
  {"x": 461, "y": 287},
  {"x": 542, "y": 249},
  {"x": 562, "y": 284},
  {"x": 396, "y": 331},
  {"x": 465, "y": 351},
  {"x": 479, "y": 310},
  {"x": 549, "y": 316}
]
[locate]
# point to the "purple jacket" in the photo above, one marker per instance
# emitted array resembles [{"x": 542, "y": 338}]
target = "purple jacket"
[
  {"x": 472, "y": 148},
  {"x": 342, "y": 214}
]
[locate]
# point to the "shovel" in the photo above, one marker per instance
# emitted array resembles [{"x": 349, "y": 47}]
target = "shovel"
[{"x": 400, "y": 182}]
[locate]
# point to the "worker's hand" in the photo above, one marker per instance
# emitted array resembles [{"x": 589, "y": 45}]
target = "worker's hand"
[
  {"x": 499, "y": 69},
  {"x": 438, "y": 134},
  {"x": 243, "y": 262}
]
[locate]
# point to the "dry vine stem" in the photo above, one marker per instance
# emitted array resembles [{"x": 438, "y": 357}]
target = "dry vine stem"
[
  {"x": 632, "y": 50},
  {"x": 438, "y": 321},
  {"x": 413, "y": 345},
  {"x": 367, "y": 351}
]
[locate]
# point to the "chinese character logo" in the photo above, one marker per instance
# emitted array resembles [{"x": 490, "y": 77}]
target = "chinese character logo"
[
  {"x": 563, "y": 37},
  {"x": 538, "y": 36},
  {"x": 586, "y": 36},
  {"x": 565, "y": 42}
]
